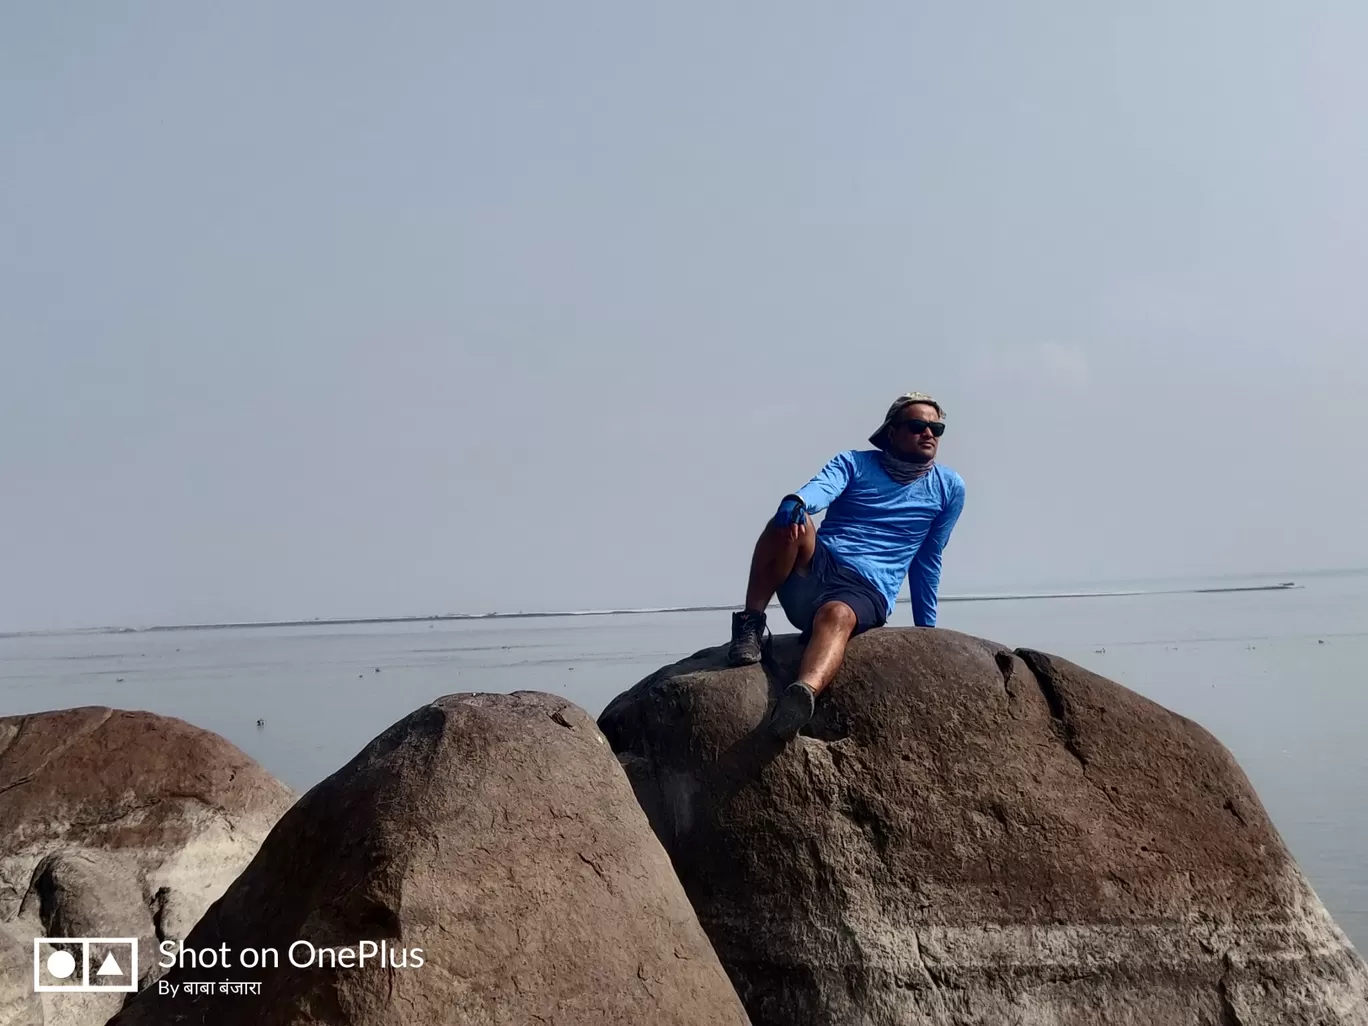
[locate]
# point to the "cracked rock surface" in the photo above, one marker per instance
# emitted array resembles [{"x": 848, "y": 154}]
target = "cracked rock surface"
[
  {"x": 116, "y": 824},
  {"x": 498, "y": 835},
  {"x": 971, "y": 835}
]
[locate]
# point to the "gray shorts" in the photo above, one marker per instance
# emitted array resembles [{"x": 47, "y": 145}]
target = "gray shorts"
[{"x": 802, "y": 595}]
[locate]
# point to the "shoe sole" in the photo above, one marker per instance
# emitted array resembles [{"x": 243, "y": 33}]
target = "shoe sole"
[
  {"x": 744, "y": 658},
  {"x": 735, "y": 658}
]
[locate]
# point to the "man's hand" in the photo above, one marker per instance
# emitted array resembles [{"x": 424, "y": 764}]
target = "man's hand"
[{"x": 792, "y": 517}]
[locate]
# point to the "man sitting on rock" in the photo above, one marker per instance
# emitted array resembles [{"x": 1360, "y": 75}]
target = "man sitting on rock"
[{"x": 890, "y": 512}]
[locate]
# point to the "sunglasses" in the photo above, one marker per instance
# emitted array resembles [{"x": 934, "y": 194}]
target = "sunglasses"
[{"x": 918, "y": 426}]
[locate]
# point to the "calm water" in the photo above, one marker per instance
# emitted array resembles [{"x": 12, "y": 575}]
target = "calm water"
[{"x": 1277, "y": 676}]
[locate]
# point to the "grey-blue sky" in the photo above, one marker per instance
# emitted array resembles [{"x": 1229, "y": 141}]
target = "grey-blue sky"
[{"x": 330, "y": 309}]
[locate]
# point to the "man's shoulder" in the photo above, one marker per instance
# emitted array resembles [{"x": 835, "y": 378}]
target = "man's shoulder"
[
  {"x": 949, "y": 476},
  {"x": 855, "y": 459},
  {"x": 951, "y": 485},
  {"x": 860, "y": 457}
]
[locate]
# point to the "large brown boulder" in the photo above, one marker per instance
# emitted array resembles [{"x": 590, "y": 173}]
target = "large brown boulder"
[
  {"x": 497, "y": 836},
  {"x": 971, "y": 835},
  {"x": 117, "y": 824}
]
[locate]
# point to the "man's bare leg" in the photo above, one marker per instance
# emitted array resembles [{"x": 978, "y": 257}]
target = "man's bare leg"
[
  {"x": 778, "y": 552},
  {"x": 832, "y": 628}
]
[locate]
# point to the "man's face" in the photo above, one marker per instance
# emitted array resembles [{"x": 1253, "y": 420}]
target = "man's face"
[{"x": 910, "y": 434}]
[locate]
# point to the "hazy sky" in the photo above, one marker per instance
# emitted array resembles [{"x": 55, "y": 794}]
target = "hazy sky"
[{"x": 319, "y": 309}]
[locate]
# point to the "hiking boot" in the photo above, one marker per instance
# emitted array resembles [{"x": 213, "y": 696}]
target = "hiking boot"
[
  {"x": 748, "y": 638},
  {"x": 792, "y": 711}
]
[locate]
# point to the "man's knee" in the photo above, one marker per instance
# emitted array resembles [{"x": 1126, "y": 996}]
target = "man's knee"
[
  {"x": 775, "y": 531},
  {"x": 772, "y": 525},
  {"x": 836, "y": 615},
  {"x": 784, "y": 537}
]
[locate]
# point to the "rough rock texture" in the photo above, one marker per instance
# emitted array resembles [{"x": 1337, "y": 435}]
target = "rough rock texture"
[
  {"x": 19, "y": 1005},
  {"x": 498, "y": 835},
  {"x": 976, "y": 836},
  {"x": 117, "y": 824}
]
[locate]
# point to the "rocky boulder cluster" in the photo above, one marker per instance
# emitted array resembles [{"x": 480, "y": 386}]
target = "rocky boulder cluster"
[{"x": 964, "y": 834}]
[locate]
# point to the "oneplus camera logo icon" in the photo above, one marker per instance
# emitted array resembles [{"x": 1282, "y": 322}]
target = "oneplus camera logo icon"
[{"x": 83, "y": 965}]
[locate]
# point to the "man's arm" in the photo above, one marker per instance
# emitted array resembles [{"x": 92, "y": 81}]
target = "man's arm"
[
  {"x": 923, "y": 576},
  {"x": 830, "y": 482}
]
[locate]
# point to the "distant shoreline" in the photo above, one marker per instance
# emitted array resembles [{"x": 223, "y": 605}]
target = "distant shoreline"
[{"x": 549, "y": 614}]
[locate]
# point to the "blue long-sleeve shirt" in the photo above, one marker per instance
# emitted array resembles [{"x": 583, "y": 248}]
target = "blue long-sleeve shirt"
[{"x": 884, "y": 530}]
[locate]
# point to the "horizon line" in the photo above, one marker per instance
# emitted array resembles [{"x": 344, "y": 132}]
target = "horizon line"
[{"x": 352, "y": 621}]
